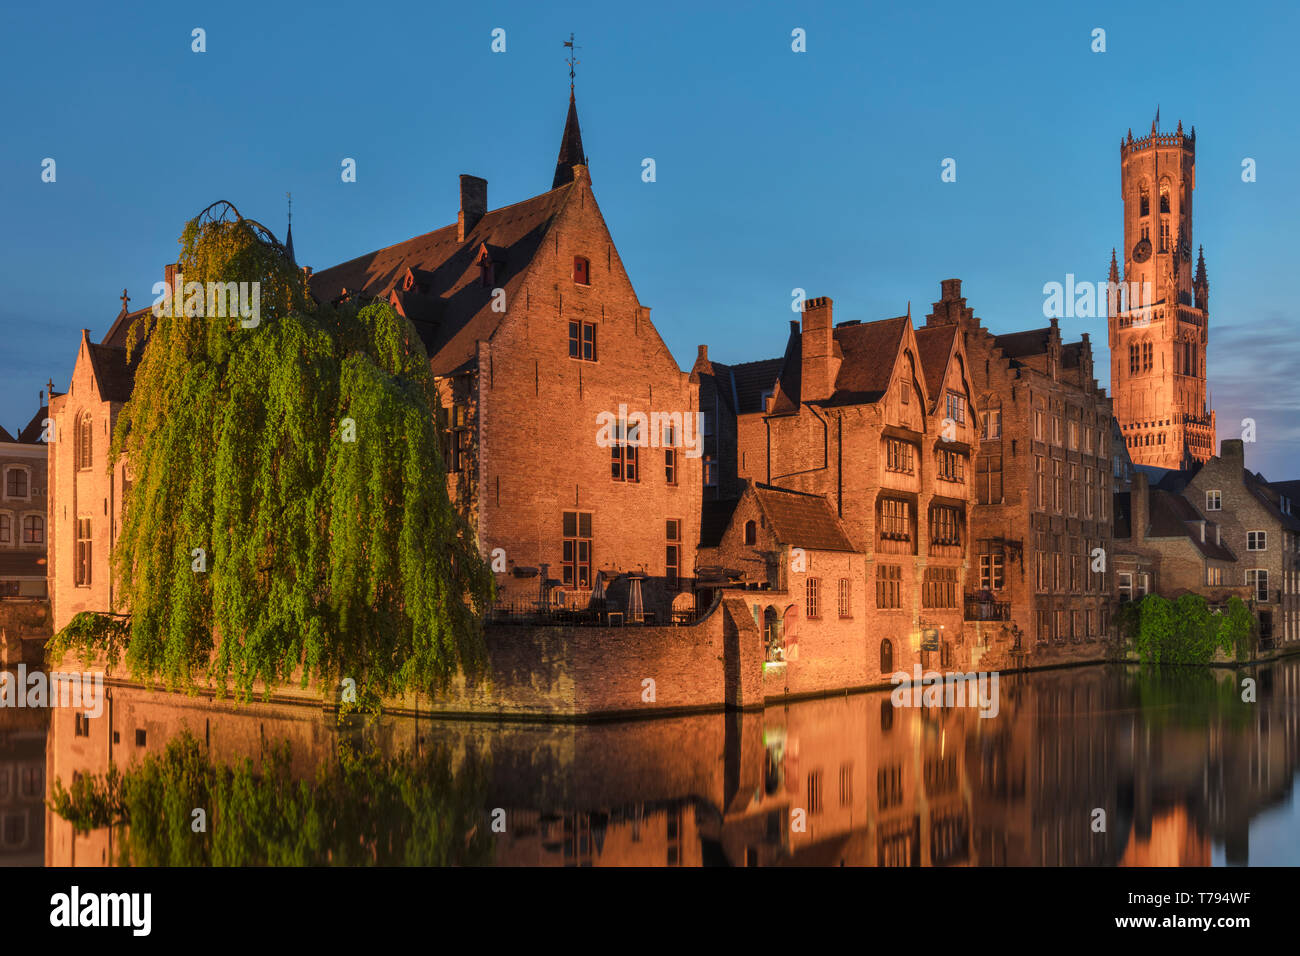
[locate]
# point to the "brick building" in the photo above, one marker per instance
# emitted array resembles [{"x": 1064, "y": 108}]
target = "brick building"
[
  {"x": 23, "y": 531},
  {"x": 537, "y": 337},
  {"x": 1159, "y": 318},
  {"x": 878, "y": 421},
  {"x": 1165, "y": 544},
  {"x": 1253, "y": 521},
  {"x": 1042, "y": 487},
  {"x": 85, "y": 498}
]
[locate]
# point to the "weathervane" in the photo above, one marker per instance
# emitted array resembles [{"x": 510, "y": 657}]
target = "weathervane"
[{"x": 570, "y": 59}]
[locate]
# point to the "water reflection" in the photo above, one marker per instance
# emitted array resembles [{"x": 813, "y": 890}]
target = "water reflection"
[{"x": 1180, "y": 767}]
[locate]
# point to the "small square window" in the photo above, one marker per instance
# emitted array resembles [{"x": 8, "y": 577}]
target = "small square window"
[{"x": 139, "y": 738}]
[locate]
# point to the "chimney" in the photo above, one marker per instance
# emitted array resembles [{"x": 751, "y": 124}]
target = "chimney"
[
  {"x": 169, "y": 274},
  {"x": 1138, "y": 506},
  {"x": 1233, "y": 452},
  {"x": 473, "y": 205},
  {"x": 817, "y": 377}
]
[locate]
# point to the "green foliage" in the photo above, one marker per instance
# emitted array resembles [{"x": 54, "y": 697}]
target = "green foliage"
[
  {"x": 361, "y": 809},
  {"x": 336, "y": 558},
  {"x": 1186, "y": 632},
  {"x": 1237, "y": 629},
  {"x": 90, "y": 633}
]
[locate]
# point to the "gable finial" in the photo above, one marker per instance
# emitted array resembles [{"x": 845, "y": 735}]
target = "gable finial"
[{"x": 125, "y": 299}]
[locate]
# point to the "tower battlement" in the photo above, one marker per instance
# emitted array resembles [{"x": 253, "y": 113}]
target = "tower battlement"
[{"x": 1158, "y": 140}]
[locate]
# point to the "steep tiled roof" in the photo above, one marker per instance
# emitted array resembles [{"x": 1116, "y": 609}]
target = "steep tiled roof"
[
  {"x": 868, "y": 351},
  {"x": 1265, "y": 494},
  {"x": 802, "y": 521},
  {"x": 459, "y": 308},
  {"x": 116, "y": 336},
  {"x": 1173, "y": 516},
  {"x": 751, "y": 380},
  {"x": 5, "y": 436},
  {"x": 114, "y": 376},
  {"x": 1020, "y": 344},
  {"x": 934, "y": 342},
  {"x": 31, "y": 435}
]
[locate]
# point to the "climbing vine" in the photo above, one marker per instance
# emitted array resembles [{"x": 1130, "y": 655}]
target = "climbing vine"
[{"x": 288, "y": 510}]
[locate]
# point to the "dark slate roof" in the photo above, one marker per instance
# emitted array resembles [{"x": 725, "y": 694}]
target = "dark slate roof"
[
  {"x": 459, "y": 305},
  {"x": 868, "y": 351},
  {"x": 571, "y": 153},
  {"x": 31, "y": 435},
  {"x": 715, "y": 516},
  {"x": 22, "y": 564},
  {"x": 5, "y": 436},
  {"x": 114, "y": 376},
  {"x": 1265, "y": 494},
  {"x": 934, "y": 342},
  {"x": 1020, "y": 344},
  {"x": 1173, "y": 516},
  {"x": 751, "y": 380},
  {"x": 1292, "y": 490},
  {"x": 116, "y": 336},
  {"x": 801, "y": 520}
]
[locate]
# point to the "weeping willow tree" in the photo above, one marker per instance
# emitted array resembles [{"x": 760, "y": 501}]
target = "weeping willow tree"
[
  {"x": 288, "y": 510},
  {"x": 361, "y": 808}
]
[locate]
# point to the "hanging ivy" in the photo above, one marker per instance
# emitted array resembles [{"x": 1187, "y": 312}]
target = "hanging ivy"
[{"x": 288, "y": 510}]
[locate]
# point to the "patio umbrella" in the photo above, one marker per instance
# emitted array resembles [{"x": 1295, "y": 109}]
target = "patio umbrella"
[
  {"x": 635, "y": 607},
  {"x": 597, "y": 592}
]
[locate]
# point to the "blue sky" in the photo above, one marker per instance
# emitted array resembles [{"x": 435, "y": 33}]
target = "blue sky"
[{"x": 775, "y": 169}]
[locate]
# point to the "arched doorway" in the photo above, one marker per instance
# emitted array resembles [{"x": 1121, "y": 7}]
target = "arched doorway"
[{"x": 886, "y": 656}]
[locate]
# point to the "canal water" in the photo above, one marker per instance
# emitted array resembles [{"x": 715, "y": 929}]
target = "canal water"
[{"x": 1104, "y": 765}]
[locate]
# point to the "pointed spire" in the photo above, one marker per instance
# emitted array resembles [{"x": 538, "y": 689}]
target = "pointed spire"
[
  {"x": 571, "y": 153},
  {"x": 1114, "y": 266},
  {"x": 288, "y": 236}
]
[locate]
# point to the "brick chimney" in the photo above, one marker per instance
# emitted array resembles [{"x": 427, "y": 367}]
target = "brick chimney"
[
  {"x": 817, "y": 372},
  {"x": 473, "y": 205},
  {"x": 1139, "y": 501},
  {"x": 1232, "y": 451}
]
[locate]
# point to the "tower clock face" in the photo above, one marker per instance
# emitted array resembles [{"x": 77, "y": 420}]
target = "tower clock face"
[{"x": 1142, "y": 251}]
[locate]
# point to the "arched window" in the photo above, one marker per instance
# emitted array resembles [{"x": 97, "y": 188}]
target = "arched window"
[
  {"x": 1164, "y": 197},
  {"x": 1144, "y": 203},
  {"x": 751, "y": 532},
  {"x": 772, "y": 635},
  {"x": 85, "y": 446},
  {"x": 1133, "y": 359},
  {"x": 886, "y": 656},
  {"x": 33, "y": 529}
]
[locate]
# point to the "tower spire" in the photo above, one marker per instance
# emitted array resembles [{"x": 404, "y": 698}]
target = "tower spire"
[
  {"x": 288, "y": 236},
  {"x": 571, "y": 153}
]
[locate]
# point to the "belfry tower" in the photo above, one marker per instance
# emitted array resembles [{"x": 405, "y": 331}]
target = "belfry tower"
[{"x": 1159, "y": 309}]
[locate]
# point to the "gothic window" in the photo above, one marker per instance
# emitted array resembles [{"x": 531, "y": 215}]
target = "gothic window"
[
  {"x": 1145, "y": 203},
  {"x": 1133, "y": 359},
  {"x": 83, "y": 441},
  {"x": 751, "y": 532},
  {"x": 1164, "y": 198}
]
